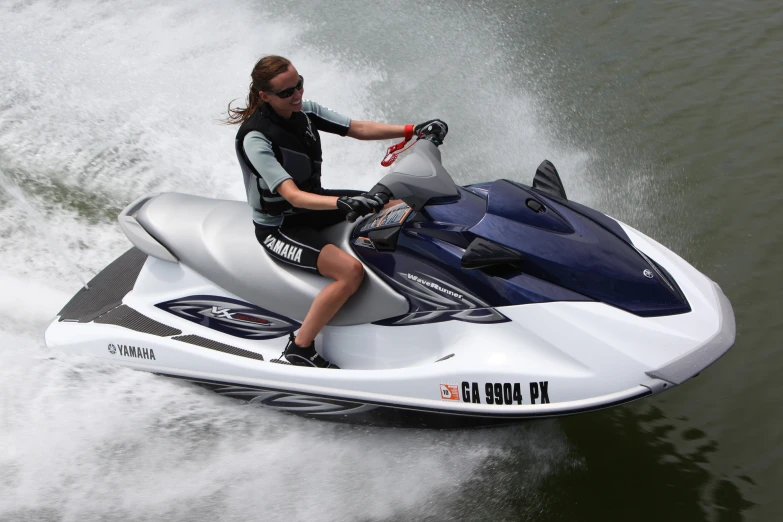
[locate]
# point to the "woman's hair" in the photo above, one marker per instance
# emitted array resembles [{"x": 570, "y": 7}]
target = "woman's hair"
[{"x": 265, "y": 69}]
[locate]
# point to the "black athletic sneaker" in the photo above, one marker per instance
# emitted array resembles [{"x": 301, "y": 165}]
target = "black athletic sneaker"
[{"x": 299, "y": 356}]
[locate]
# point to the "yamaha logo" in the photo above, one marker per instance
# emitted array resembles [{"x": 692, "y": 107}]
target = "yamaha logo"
[
  {"x": 648, "y": 273},
  {"x": 138, "y": 352}
]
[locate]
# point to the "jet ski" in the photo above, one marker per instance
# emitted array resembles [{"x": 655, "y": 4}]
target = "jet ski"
[{"x": 484, "y": 304}]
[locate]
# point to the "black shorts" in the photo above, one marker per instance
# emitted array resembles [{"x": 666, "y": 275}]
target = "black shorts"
[{"x": 298, "y": 240}]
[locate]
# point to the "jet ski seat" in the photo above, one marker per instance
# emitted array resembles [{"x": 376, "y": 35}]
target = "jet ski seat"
[{"x": 216, "y": 238}]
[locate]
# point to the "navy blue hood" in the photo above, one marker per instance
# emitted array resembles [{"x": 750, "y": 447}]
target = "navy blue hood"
[{"x": 577, "y": 248}]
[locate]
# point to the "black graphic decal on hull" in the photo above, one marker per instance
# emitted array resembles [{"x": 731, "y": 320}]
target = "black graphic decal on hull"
[{"x": 230, "y": 316}]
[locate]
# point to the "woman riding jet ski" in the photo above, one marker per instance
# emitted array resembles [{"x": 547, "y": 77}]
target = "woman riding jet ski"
[
  {"x": 279, "y": 149},
  {"x": 480, "y": 305}
]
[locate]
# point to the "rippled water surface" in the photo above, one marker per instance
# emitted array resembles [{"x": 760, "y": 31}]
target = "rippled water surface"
[{"x": 666, "y": 115}]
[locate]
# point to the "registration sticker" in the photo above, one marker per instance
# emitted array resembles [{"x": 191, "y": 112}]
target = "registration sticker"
[{"x": 449, "y": 392}]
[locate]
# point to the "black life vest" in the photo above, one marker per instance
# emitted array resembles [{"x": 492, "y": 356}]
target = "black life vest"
[{"x": 297, "y": 147}]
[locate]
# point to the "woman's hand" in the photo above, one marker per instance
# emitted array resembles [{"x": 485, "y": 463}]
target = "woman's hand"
[{"x": 356, "y": 206}]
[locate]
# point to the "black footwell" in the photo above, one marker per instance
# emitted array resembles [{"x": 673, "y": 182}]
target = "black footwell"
[{"x": 106, "y": 289}]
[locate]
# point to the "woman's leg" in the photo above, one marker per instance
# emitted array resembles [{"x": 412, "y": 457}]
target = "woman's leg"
[{"x": 348, "y": 274}]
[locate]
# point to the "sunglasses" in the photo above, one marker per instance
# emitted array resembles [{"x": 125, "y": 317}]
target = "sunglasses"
[{"x": 287, "y": 93}]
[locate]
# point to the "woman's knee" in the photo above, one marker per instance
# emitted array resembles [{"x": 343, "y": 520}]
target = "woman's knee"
[
  {"x": 355, "y": 273},
  {"x": 351, "y": 272},
  {"x": 340, "y": 266}
]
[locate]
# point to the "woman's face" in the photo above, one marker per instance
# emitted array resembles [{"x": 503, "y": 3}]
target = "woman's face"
[{"x": 285, "y": 80}]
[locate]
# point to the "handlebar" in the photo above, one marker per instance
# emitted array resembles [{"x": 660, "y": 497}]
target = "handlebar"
[{"x": 425, "y": 157}]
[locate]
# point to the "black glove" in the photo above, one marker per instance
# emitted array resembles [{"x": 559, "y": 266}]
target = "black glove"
[
  {"x": 436, "y": 129},
  {"x": 355, "y": 206},
  {"x": 381, "y": 198}
]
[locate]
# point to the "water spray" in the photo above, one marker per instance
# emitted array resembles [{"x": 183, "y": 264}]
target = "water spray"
[{"x": 16, "y": 192}]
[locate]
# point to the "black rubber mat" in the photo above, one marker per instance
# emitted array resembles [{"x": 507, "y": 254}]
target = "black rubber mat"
[
  {"x": 220, "y": 347},
  {"x": 106, "y": 289},
  {"x": 129, "y": 318}
]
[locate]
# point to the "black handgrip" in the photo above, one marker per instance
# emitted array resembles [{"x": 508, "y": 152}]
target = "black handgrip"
[
  {"x": 435, "y": 131},
  {"x": 379, "y": 189},
  {"x": 352, "y": 216}
]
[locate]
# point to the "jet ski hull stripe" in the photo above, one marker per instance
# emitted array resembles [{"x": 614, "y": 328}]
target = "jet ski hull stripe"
[
  {"x": 220, "y": 347},
  {"x": 377, "y": 413},
  {"x": 106, "y": 289},
  {"x": 127, "y": 317}
]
